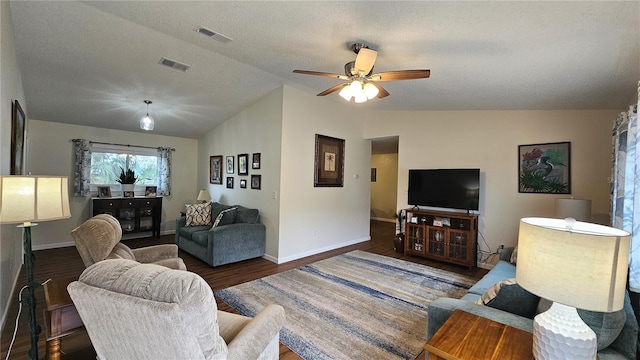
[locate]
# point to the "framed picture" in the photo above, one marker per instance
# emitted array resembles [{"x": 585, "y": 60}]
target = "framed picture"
[
  {"x": 229, "y": 182},
  {"x": 243, "y": 184},
  {"x": 243, "y": 166},
  {"x": 18, "y": 120},
  {"x": 256, "y": 181},
  {"x": 545, "y": 168},
  {"x": 215, "y": 169},
  {"x": 255, "y": 161},
  {"x": 104, "y": 191},
  {"x": 150, "y": 191},
  {"x": 230, "y": 165},
  {"x": 128, "y": 194},
  {"x": 329, "y": 162},
  {"x": 374, "y": 174}
]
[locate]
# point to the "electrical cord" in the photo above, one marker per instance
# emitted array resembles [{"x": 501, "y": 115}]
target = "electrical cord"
[{"x": 15, "y": 328}]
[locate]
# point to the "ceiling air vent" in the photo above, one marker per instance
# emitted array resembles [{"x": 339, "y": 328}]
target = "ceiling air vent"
[
  {"x": 174, "y": 64},
  {"x": 214, "y": 35}
]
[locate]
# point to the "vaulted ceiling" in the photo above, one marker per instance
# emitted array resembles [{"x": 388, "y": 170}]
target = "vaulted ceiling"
[{"x": 93, "y": 63}]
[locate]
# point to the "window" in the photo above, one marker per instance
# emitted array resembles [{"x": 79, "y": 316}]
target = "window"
[{"x": 107, "y": 161}]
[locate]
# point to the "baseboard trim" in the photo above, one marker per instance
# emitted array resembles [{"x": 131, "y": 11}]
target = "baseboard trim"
[
  {"x": 5, "y": 311},
  {"x": 71, "y": 243},
  {"x": 315, "y": 251}
]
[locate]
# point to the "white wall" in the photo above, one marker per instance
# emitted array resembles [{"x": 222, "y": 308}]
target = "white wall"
[
  {"x": 51, "y": 153},
  {"x": 489, "y": 140},
  {"x": 10, "y": 89},
  {"x": 384, "y": 189},
  {"x": 318, "y": 219},
  {"x": 256, "y": 129}
]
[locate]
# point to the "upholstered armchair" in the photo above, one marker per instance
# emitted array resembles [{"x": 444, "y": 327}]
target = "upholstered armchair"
[
  {"x": 99, "y": 238},
  {"x": 146, "y": 311}
]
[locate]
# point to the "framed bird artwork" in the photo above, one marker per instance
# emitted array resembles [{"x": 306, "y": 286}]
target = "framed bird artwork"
[{"x": 545, "y": 168}]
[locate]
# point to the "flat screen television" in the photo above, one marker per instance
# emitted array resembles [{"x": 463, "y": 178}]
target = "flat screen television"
[{"x": 445, "y": 188}]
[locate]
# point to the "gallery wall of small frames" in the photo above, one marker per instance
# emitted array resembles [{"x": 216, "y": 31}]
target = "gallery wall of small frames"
[{"x": 238, "y": 164}]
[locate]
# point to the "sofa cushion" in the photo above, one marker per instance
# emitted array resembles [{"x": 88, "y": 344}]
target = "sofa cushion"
[
  {"x": 508, "y": 296},
  {"x": 225, "y": 217},
  {"x": 502, "y": 270},
  {"x": 246, "y": 215},
  {"x": 514, "y": 256},
  {"x": 201, "y": 238},
  {"x": 188, "y": 231},
  {"x": 198, "y": 214},
  {"x": 217, "y": 208},
  {"x": 607, "y": 326}
]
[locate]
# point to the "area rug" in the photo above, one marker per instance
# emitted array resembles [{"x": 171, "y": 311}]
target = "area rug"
[{"x": 353, "y": 306}]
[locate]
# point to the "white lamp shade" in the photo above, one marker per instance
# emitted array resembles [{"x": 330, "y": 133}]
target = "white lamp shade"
[
  {"x": 25, "y": 199},
  {"x": 585, "y": 267},
  {"x": 578, "y": 209},
  {"x": 147, "y": 123},
  {"x": 204, "y": 195}
]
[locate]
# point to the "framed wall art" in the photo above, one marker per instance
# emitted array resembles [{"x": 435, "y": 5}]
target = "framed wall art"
[
  {"x": 255, "y": 161},
  {"x": 329, "y": 162},
  {"x": 230, "y": 165},
  {"x": 243, "y": 184},
  {"x": 18, "y": 128},
  {"x": 243, "y": 164},
  {"x": 545, "y": 168},
  {"x": 215, "y": 169},
  {"x": 229, "y": 182},
  {"x": 256, "y": 182}
]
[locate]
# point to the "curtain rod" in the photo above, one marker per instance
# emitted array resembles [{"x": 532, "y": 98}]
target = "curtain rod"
[{"x": 128, "y": 145}]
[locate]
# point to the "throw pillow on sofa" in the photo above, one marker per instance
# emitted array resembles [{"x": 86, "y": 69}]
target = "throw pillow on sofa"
[
  {"x": 508, "y": 296},
  {"x": 198, "y": 215},
  {"x": 607, "y": 326},
  {"x": 225, "y": 217}
]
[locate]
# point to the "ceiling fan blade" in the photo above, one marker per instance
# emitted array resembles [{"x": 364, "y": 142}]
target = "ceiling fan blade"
[
  {"x": 382, "y": 93},
  {"x": 365, "y": 60},
  {"x": 333, "y": 89},
  {"x": 401, "y": 75},
  {"x": 318, "y": 73}
]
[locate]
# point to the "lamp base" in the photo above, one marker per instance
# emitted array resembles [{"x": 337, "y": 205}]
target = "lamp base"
[{"x": 559, "y": 334}]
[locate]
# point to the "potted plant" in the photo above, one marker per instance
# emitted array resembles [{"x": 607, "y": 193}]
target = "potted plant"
[
  {"x": 398, "y": 241},
  {"x": 127, "y": 179}
]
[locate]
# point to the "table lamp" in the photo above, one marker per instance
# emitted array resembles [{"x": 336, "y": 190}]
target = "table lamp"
[
  {"x": 575, "y": 265},
  {"x": 579, "y": 209},
  {"x": 24, "y": 199},
  {"x": 204, "y": 196}
]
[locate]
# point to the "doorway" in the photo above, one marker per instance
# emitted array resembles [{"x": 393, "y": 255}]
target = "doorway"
[{"x": 384, "y": 178}]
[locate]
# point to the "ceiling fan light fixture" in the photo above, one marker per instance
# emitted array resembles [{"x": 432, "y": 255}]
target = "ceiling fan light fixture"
[
  {"x": 345, "y": 93},
  {"x": 360, "y": 98},
  {"x": 356, "y": 87},
  {"x": 147, "y": 123},
  {"x": 370, "y": 90}
]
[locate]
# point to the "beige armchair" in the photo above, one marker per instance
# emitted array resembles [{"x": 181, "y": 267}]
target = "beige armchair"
[
  {"x": 99, "y": 238},
  {"x": 145, "y": 311}
]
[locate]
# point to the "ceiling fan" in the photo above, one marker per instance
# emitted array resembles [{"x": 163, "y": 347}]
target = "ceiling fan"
[{"x": 361, "y": 84}]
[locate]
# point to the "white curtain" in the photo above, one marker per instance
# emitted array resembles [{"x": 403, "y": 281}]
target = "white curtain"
[
  {"x": 626, "y": 185},
  {"x": 164, "y": 171}
]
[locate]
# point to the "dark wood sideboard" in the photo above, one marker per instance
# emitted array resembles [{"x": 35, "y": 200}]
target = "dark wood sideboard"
[{"x": 138, "y": 214}]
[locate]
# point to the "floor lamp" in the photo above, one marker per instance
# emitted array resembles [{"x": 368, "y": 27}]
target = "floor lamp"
[
  {"x": 24, "y": 199},
  {"x": 575, "y": 265}
]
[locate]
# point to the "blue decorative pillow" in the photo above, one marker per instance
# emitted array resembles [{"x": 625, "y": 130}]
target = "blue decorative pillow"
[{"x": 508, "y": 296}]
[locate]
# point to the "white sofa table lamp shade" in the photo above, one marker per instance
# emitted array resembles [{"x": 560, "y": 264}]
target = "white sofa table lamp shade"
[
  {"x": 575, "y": 265},
  {"x": 203, "y": 196},
  {"x": 579, "y": 209}
]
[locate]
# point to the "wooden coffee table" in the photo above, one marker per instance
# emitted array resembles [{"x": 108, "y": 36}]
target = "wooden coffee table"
[
  {"x": 465, "y": 336},
  {"x": 61, "y": 316}
]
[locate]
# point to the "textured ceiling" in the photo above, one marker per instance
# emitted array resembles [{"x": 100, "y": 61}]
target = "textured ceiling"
[{"x": 92, "y": 63}]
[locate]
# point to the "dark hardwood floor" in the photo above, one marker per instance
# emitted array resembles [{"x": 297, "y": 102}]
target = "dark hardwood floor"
[{"x": 66, "y": 262}]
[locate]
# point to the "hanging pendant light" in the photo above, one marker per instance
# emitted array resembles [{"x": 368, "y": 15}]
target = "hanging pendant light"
[{"x": 147, "y": 123}]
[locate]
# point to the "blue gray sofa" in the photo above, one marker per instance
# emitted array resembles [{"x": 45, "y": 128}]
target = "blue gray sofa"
[
  {"x": 244, "y": 238},
  {"x": 622, "y": 348}
]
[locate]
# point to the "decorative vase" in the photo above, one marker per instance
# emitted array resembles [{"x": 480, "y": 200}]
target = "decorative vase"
[
  {"x": 398, "y": 243},
  {"x": 127, "y": 190}
]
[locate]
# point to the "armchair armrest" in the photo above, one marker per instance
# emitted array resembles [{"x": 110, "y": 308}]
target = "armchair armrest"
[
  {"x": 155, "y": 253},
  {"x": 257, "y": 333}
]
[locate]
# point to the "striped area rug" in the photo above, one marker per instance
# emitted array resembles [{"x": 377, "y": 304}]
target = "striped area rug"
[{"x": 352, "y": 306}]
